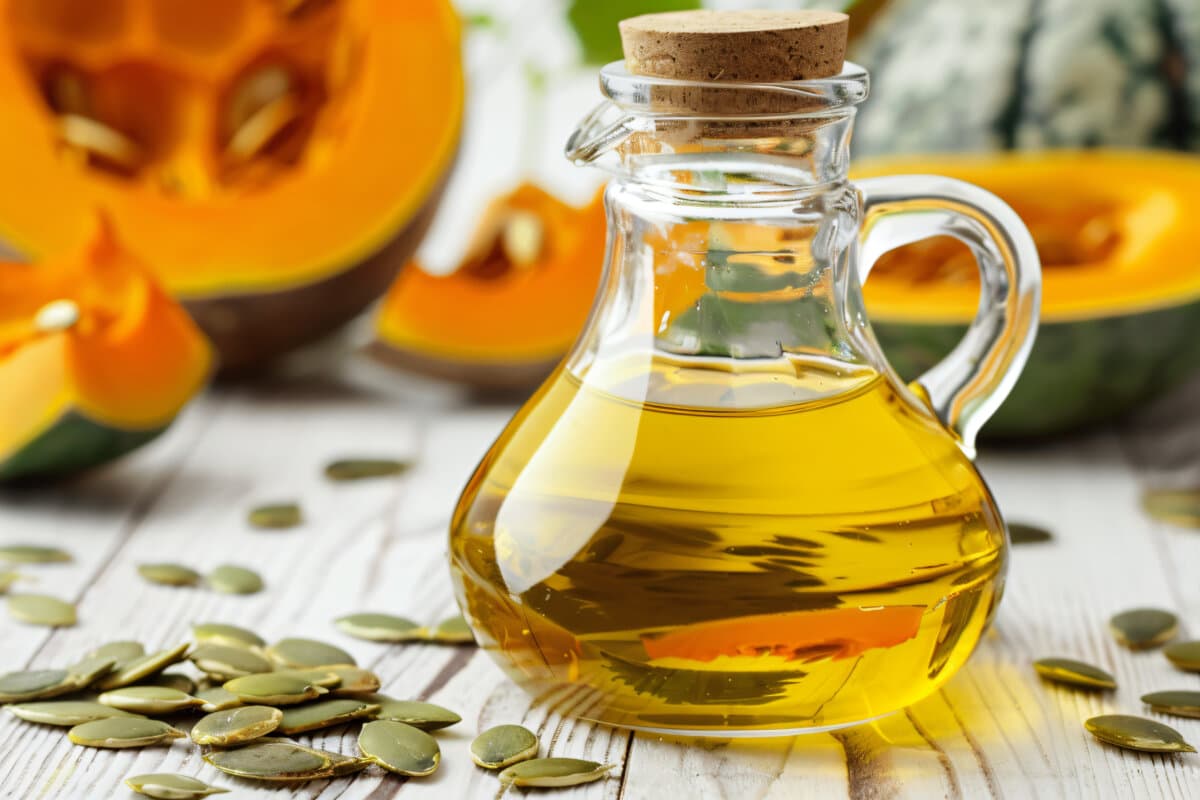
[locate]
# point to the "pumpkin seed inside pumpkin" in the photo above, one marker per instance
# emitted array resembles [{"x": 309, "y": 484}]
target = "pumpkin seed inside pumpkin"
[
  {"x": 277, "y": 516},
  {"x": 1024, "y": 533},
  {"x": 503, "y": 746},
  {"x": 272, "y": 760},
  {"x": 168, "y": 786},
  {"x": 236, "y": 725},
  {"x": 543, "y": 772},
  {"x": 41, "y": 609},
  {"x": 418, "y": 714},
  {"x": 1181, "y": 703},
  {"x": 377, "y": 627},
  {"x": 232, "y": 579},
  {"x": 1184, "y": 655},
  {"x": 57, "y": 315},
  {"x": 169, "y": 574},
  {"x": 399, "y": 748},
  {"x": 64, "y": 713},
  {"x": 217, "y": 698},
  {"x": 270, "y": 688},
  {"x": 142, "y": 668},
  {"x": 452, "y": 631},
  {"x": 305, "y": 653},
  {"x": 353, "y": 469},
  {"x": 226, "y": 662},
  {"x": 97, "y": 139},
  {"x": 1144, "y": 628},
  {"x": 1074, "y": 673},
  {"x": 149, "y": 699},
  {"x": 121, "y": 732},
  {"x": 33, "y": 554},
  {"x": 1137, "y": 733},
  {"x": 1174, "y": 506},
  {"x": 324, "y": 714}
]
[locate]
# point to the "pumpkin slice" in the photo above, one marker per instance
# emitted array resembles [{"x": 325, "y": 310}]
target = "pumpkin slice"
[
  {"x": 1121, "y": 283},
  {"x": 515, "y": 304},
  {"x": 95, "y": 360},
  {"x": 275, "y": 163}
]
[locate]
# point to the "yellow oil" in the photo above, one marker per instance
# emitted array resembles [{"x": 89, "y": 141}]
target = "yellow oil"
[{"x": 724, "y": 568}]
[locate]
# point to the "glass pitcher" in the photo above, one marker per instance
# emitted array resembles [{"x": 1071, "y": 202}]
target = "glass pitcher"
[{"x": 724, "y": 513}]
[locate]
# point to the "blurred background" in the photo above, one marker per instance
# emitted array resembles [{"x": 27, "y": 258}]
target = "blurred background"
[{"x": 201, "y": 191}]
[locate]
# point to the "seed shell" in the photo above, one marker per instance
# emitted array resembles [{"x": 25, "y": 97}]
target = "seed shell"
[
  {"x": 418, "y": 714},
  {"x": 142, "y": 668},
  {"x": 1174, "y": 506},
  {"x": 399, "y": 748},
  {"x": 452, "y": 631},
  {"x": 377, "y": 627},
  {"x": 272, "y": 688},
  {"x": 1024, "y": 533},
  {"x": 1074, "y": 673},
  {"x": 1144, "y": 628},
  {"x": 324, "y": 714},
  {"x": 217, "y": 698},
  {"x": 1137, "y": 733},
  {"x": 149, "y": 699},
  {"x": 120, "y": 732},
  {"x": 220, "y": 633},
  {"x": 276, "y": 517},
  {"x": 169, "y": 574},
  {"x": 167, "y": 786},
  {"x": 226, "y": 662},
  {"x": 305, "y": 653},
  {"x": 232, "y": 579},
  {"x": 553, "y": 772},
  {"x": 1181, "y": 703},
  {"x": 503, "y": 746},
  {"x": 64, "y": 712},
  {"x": 41, "y": 609},
  {"x": 273, "y": 760},
  {"x": 1184, "y": 655},
  {"x": 236, "y": 725},
  {"x": 37, "y": 684},
  {"x": 33, "y": 554}
]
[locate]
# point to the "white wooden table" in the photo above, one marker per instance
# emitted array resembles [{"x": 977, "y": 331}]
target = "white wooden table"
[{"x": 994, "y": 731}]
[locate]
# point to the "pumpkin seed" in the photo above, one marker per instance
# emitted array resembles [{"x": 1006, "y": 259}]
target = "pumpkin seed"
[
  {"x": 236, "y": 725},
  {"x": 278, "y": 516},
  {"x": 1024, "y": 533},
  {"x": 1074, "y": 673},
  {"x": 40, "y": 609},
  {"x": 7, "y": 579},
  {"x": 172, "y": 680},
  {"x": 274, "y": 689},
  {"x": 257, "y": 89},
  {"x": 324, "y": 714},
  {"x": 522, "y": 237},
  {"x": 86, "y": 672},
  {"x": 65, "y": 712},
  {"x": 165, "y": 786},
  {"x": 231, "y": 579},
  {"x": 226, "y": 662},
  {"x": 1180, "y": 703},
  {"x": 98, "y": 139},
  {"x": 57, "y": 315},
  {"x": 354, "y": 680},
  {"x": 119, "y": 732},
  {"x": 553, "y": 772},
  {"x": 452, "y": 631},
  {"x": 399, "y": 748},
  {"x": 143, "y": 667},
  {"x": 219, "y": 633},
  {"x": 33, "y": 554},
  {"x": 16, "y": 687},
  {"x": 302, "y": 653},
  {"x": 169, "y": 574},
  {"x": 149, "y": 699},
  {"x": 353, "y": 469},
  {"x": 1144, "y": 628},
  {"x": 380, "y": 627},
  {"x": 261, "y": 128},
  {"x": 1174, "y": 506},
  {"x": 217, "y": 698},
  {"x": 273, "y": 760},
  {"x": 120, "y": 652},
  {"x": 1184, "y": 655},
  {"x": 321, "y": 676},
  {"x": 347, "y": 765},
  {"x": 418, "y": 714},
  {"x": 1137, "y": 733},
  {"x": 503, "y": 746}
]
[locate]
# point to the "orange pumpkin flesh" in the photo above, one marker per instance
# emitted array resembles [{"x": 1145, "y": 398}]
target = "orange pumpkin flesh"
[
  {"x": 116, "y": 371},
  {"x": 256, "y": 153},
  {"x": 513, "y": 307}
]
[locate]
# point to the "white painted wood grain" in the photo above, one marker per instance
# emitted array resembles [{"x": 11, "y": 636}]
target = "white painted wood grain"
[{"x": 993, "y": 731}]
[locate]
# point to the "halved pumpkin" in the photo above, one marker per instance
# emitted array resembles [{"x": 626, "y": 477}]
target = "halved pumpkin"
[
  {"x": 95, "y": 360},
  {"x": 1120, "y": 257},
  {"x": 511, "y": 310},
  {"x": 274, "y": 161}
]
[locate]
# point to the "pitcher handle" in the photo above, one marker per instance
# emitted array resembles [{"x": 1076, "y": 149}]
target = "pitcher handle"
[{"x": 967, "y": 386}]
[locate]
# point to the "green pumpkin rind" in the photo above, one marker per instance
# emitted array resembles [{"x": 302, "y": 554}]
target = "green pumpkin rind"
[{"x": 71, "y": 444}]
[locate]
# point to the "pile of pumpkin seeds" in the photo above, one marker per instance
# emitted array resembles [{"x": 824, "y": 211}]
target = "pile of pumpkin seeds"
[{"x": 253, "y": 695}]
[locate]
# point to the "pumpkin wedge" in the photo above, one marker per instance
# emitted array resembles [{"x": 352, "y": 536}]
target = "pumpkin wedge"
[
  {"x": 274, "y": 161},
  {"x": 1121, "y": 281},
  {"x": 95, "y": 360},
  {"x": 515, "y": 304}
]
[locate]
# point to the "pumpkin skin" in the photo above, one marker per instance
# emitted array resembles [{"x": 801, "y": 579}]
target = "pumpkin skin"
[
  {"x": 275, "y": 208},
  {"x": 512, "y": 308},
  {"x": 1120, "y": 317},
  {"x": 106, "y": 379}
]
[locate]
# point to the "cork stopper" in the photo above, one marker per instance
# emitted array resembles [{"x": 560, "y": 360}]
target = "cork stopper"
[{"x": 744, "y": 46}]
